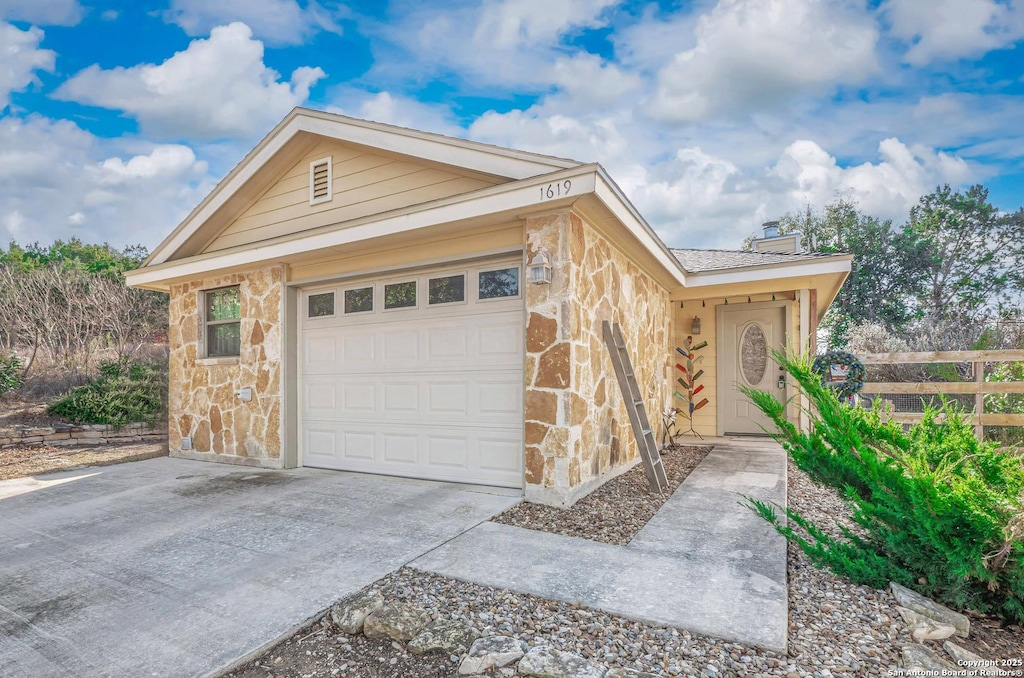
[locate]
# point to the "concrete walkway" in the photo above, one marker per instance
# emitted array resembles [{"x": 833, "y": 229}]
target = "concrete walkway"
[
  {"x": 704, "y": 563},
  {"x": 177, "y": 568}
]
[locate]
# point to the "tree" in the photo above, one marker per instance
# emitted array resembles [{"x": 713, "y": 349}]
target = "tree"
[
  {"x": 887, "y": 270},
  {"x": 975, "y": 253},
  {"x": 68, "y": 303}
]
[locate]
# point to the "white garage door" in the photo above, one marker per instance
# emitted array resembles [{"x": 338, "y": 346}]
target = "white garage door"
[{"x": 417, "y": 375}]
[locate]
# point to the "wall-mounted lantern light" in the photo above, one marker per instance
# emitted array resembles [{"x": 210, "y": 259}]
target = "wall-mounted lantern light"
[
  {"x": 540, "y": 268},
  {"x": 695, "y": 325}
]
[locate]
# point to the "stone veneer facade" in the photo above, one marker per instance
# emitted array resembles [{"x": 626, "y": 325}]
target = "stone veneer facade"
[
  {"x": 202, "y": 400},
  {"x": 577, "y": 431}
]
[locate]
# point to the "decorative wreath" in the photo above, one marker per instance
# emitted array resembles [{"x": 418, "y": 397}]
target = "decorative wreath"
[{"x": 855, "y": 372}]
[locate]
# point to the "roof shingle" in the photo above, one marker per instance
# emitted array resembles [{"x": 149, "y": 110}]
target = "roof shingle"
[{"x": 699, "y": 261}]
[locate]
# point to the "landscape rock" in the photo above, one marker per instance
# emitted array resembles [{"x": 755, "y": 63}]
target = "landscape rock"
[
  {"x": 931, "y": 609},
  {"x": 548, "y": 662},
  {"x": 396, "y": 621},
  {"x": 619, "y": 672},
  {"x": 968, "y": 661},
  {"x": 350, "y": 613},
  {"x": 491, "y": 652},
  {"x": 933, "y": 631},
  {"x": 444, "y": 635},
  {"x": 921, "y": 658}
]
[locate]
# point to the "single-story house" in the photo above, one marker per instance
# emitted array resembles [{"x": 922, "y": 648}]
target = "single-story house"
[{"x": 363, "y": 297}]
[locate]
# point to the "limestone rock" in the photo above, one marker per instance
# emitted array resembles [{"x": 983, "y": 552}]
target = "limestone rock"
[
  {"x": 444, "y": 635},
  {"x": 968, "y": 661},
  {"x": 619, "y": 672},
  {"x": 491, "y": 652},
  {"x": 924, "y": 628},
  {"x": 931, "y": 609},
  {"x": 350, "y": 613},
  {"x": 932, "y": 631},
  {"x": 921, "y": 658},
  {"x": 547, "y": 662},
  {"x": 396, "y": 621}
]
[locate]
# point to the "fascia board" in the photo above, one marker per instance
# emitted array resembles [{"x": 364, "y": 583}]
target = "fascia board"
[
  {"x": 518, "y": 197},
  {"x": 612, "y": 197},
  {"x": 806, "y": 267}
]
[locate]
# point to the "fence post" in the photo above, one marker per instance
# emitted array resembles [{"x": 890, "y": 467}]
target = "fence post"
[{"x": 979, "y": 401}]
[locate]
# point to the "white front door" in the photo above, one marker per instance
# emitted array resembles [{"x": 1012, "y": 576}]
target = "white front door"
[
  {"x": 747, "y": 335},
  {"x": 416, "y": 375}
]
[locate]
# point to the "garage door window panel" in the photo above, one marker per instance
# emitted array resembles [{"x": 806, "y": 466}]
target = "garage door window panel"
[
  {"x": 320, "y": 305},
  {"x": 223, "y": 314},
  {"x": 449, "y": 289},
  {"x": 502, "y": 283},
  {"x": 400, "y": 295},
  {"x": 359, "y": 300}
]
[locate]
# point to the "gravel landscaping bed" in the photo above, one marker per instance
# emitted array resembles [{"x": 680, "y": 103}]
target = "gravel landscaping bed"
[
  {"x": 614, "y": 512},
  {"x": 836, "y": 628},
  {"x": 19, "y": 461}
]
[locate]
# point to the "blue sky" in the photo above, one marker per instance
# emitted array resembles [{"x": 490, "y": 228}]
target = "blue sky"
[{"x": 116, "y": 118}]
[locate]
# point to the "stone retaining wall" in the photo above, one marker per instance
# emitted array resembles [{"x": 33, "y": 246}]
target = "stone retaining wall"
[{"x": 80, "y": 434}]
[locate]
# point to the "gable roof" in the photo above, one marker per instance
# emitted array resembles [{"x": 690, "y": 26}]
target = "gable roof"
[
  {"x": 699, "y": 261},
  {"x": 303, "y": 123}
]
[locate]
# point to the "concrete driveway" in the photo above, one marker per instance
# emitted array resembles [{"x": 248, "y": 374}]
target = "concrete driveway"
[{"x": 169, "y": 567}]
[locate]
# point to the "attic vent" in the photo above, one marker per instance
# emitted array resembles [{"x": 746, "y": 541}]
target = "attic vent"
[{"x": 320, "y": 180}]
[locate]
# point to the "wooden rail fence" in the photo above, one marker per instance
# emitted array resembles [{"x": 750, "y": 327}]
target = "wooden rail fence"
[{"x": 979, "y": 387}]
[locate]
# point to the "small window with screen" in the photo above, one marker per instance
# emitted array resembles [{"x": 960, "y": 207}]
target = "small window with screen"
[
  {"x": 321, "y": 305},
  {"x": 500, "y": 283},
  {"x": 359, "y": 300}
]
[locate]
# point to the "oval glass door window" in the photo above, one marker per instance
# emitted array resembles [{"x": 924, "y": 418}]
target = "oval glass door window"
[{"x": 753, "y": 354}]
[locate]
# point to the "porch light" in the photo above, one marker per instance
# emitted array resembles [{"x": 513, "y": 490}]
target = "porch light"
[
  {"x": 695, "y": 325},
  {"x": 540, "y": 268}
]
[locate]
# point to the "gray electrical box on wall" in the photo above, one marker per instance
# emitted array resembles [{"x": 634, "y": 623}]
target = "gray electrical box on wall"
[{"x": 186, "y": 442}]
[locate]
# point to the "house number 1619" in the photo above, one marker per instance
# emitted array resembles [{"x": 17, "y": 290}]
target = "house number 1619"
[{"x": 556, "y": 190}]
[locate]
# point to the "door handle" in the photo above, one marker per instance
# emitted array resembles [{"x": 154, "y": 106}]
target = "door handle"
[{"x": 782, "y": 382}]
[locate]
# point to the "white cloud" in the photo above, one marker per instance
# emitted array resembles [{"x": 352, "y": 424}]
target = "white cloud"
[
  {"x": 279, "y": 22},
  {"x": 216, "y": 88},
  {"x": 951, "y": 29},
  {"x": 503, "y": 42},
  {"x": 59, "y": 181},
  {"x": 395, "y": 110},
  {"x": 510, "y": 24},
  {"x": 42, "y": 12},
  {"x": 589, "y": 81},
  {"x": 20, "y": 58},
  {"x": 751, "y": 54},
  {"x": 543, "y": 130}
]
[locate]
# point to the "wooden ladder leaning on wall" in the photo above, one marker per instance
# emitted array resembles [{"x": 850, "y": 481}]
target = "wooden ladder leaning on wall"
[{"x": 634, "y": 402}]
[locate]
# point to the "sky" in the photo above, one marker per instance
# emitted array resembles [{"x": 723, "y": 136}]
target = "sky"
[{"x": 117, "y": 118}]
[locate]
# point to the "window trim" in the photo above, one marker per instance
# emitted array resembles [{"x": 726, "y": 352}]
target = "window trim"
[
  {"x": 313, "y": 199},
  {"x": 466, "y": 293},
  {"x": 399, "y": 281},
  {"x": 519, "y": 288},
  {"x": 206, "y": 324},
  {"x": 316, "y": 293}
]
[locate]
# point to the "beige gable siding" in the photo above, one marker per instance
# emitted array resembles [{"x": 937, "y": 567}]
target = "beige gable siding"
[{"x": 364, "y": 183}]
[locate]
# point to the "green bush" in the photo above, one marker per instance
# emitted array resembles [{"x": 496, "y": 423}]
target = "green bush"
[
  {"x": 10, "y": 373},
  {"x": 938, "y": 511},
  {"x": 124, "y": 392}
]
